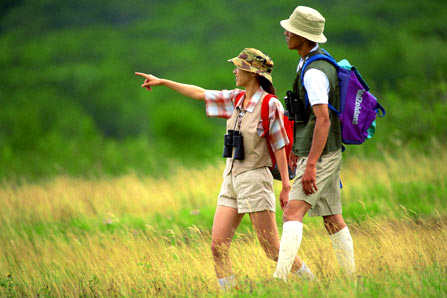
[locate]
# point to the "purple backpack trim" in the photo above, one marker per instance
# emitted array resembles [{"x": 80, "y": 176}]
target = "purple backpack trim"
[{"x": 358, "y": 107}]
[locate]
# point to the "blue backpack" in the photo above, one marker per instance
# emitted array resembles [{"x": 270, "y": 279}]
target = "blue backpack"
[{"x": 358, "y": 107}]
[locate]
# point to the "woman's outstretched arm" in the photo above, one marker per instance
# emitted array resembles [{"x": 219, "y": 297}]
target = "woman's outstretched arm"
[{"x": 192, "y": 91}]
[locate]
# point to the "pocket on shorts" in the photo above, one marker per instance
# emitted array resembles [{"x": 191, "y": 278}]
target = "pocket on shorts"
[
  {"x": 254, "y": 190},
  {"x": 330, "y": 160},
  {"x": 259, "y": 177}
]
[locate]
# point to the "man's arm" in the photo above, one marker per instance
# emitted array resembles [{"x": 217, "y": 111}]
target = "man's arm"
[{"x": 319, "y": 140}]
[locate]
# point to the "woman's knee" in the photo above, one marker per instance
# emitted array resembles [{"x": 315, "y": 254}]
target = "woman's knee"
[{"x": 220, "y": 248}]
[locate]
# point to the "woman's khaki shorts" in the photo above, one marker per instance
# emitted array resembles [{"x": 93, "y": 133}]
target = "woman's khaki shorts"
[
  {"x": 250, "y": 191},
  {"x": 327, "y": 200}
]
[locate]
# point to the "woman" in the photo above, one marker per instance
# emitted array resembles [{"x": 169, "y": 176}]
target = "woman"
[{"x": 248, "y": 183}]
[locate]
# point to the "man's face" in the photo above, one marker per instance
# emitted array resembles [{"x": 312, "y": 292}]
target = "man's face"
[{"x": 293, "y": 41}]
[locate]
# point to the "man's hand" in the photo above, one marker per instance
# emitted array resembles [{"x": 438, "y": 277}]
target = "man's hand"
[
  {"x": 321, "y": 132},
  {"x": 308, "y": 180},
  {"x": 149, "y": 81}
]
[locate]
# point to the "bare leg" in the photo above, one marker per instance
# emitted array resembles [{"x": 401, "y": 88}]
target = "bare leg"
[
  {"x": 264, "y": 223},
  {"x": 295, "y": 211},
  {"x": 226, "y": 221},
  {"x": 334, "y": 223}
]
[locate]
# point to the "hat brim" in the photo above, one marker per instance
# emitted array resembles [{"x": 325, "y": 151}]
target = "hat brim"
[
  {"x": 239, "y": 63},
  {"x": 316, "y": 38}
]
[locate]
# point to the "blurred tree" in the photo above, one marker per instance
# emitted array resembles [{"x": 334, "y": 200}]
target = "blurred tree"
[{"x": 70, "y": 102}]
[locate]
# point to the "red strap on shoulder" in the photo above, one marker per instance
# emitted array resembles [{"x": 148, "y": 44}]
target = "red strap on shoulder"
[
  {"x": 238, "y": 98},
  {"x": 265, "y": 113},
  {"x": 266, "y": 124}
]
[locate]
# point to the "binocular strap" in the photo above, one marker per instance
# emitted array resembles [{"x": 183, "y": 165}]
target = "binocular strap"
[{"x": 238, "y": 122}]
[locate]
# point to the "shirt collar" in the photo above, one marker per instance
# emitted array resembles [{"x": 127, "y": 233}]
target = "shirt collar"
[
  {"x": 300, "y": 64},
  {"x": 253, "y": 101}
]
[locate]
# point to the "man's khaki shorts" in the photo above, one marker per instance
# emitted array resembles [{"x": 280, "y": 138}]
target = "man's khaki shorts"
[
  {"x": 250, "y": 191},
  {"x": 327, "y": 200}
]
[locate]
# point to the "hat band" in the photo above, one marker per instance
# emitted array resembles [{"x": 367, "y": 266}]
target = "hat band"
[
  {"x": 258, "y": 65},
  {"x": 314, "y": 29}
]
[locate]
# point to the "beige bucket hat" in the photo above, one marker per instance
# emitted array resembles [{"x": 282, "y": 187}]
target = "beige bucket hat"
[
  {"x": 306, "y": 22},
  {"x": 254, "y": 60}
]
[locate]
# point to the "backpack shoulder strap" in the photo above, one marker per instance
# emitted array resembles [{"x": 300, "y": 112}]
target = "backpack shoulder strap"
[
  {"x": 238, "y": 98},
  {"x": 265, "y": 113},
  {"x": 327, "y": 57}
]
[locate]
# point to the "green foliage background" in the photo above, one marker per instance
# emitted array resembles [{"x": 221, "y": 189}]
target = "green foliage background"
[{"x": 71, "y": 104}]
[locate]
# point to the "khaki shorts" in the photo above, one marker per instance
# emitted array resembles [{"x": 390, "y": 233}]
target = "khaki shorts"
[
  {"x": 327, "y": 200},
  {"x": 250, "y": 191}
]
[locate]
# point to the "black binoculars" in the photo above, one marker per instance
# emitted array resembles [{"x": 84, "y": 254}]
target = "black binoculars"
[
  {"x": 233, "y": 139},
  {"x": 295, "y": 108}
]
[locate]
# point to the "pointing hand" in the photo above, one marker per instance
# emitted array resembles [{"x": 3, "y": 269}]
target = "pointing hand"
[{"x": 149, "y": 81}]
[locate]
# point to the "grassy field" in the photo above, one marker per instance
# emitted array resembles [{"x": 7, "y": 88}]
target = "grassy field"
[{"x": 142, "y": 237}]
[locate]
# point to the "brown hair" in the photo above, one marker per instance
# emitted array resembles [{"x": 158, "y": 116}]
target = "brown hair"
[{"x": 266, "y": 85}]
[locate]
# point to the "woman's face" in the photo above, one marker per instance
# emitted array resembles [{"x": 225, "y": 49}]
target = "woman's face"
[{"x": 243, "y": 77}]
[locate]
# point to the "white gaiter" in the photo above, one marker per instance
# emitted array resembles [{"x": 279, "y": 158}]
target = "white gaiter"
[
  {"x": 292, "y": 233},
  {"x": 344, "y": 249}
]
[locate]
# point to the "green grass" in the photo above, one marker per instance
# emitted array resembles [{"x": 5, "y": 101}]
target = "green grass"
[
  {"x": 427, "y": 283},
  {"x": 142, "y": 237}
]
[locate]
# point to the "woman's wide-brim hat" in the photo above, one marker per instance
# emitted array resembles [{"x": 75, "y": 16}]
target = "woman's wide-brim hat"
[
  {"x": 253, "y": 60},
  {"x": 306, "y": 22}
]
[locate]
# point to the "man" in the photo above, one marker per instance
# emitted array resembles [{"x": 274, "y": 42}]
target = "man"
[{"x": 317, "y": 147}]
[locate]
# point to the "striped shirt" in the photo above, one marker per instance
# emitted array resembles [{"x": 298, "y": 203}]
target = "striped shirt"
[{"x": 221, "y": 104}]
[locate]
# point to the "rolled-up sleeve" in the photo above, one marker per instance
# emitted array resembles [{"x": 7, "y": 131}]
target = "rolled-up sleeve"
[
  {"x": 220, "y": 103},
  {"x": 277, "y": 132},
  {"x": 317, "y": 86}
]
